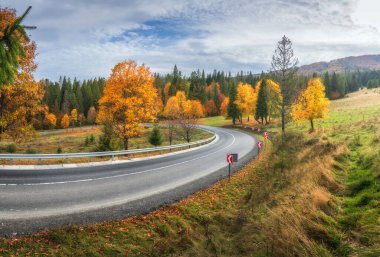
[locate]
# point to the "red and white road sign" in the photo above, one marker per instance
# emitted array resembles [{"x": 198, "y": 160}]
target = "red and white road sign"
[
  {"x": 230, "y": 158},
  {"x": 259, "y": 144}
]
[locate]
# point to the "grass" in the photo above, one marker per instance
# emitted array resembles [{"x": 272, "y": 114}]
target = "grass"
[
  {"x": 217, "y": 121},
  {"x": 73, "y": 141},
  {"x": 318, "y": 195}
]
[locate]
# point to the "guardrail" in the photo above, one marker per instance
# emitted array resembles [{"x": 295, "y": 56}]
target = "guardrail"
[{"x": 112, "y": 154}]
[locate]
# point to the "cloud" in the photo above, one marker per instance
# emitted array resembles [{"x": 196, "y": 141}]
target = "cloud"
[{"x": 86, "y": 38}]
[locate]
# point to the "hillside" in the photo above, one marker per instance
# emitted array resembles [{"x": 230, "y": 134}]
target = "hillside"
[{"x": 352, "y": 63}]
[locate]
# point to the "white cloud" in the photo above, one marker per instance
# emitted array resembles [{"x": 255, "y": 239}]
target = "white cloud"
[{"x": 73, "y": 37}]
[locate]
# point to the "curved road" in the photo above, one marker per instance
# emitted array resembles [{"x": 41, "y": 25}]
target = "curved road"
[{"x": 32, "y": 200}]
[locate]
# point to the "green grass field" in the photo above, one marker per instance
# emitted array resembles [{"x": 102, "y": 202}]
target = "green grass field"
[{"x": 318, "y": 195}]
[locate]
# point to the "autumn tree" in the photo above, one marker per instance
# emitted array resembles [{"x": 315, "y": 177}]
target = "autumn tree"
[
  {"x": 189, "y": 115},
  {"x": 21, "y": 104},
  {"x": 20, "y": 96},
  {"x": 50, "y": 120},
  {"x": 224, "y": 106},
  {"x": 91, "y": 115},
  {"x": 73, "y": 117},
  {"x": 273, "y": 97},
  {"x": 284, "y": 67},
  {"x": 171, "y": 113},
  {"x": 312, "y": 103},
  {"x": 129, "y": 98},
  {"x": 65, "y": 121},
  {"x": 246, "y": 99}
]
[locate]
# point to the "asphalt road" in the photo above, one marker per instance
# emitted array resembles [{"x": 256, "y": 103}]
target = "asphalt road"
[{"x": 33, "y": 200}]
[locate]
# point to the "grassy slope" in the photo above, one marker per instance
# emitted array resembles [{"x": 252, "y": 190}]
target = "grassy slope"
[{"x": 323, "y": 201}]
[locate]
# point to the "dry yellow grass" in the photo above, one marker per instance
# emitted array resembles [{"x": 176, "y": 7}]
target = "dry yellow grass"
[{"x": 361, "y": 99}]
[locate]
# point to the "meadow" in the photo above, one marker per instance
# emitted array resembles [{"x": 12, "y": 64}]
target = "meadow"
[{"x": 316, "y": 195}]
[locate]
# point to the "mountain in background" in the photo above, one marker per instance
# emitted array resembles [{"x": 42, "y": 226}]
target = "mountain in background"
[{"x": 352, "y": 63}]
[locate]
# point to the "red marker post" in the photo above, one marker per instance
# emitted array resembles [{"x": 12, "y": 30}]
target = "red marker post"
[
  {"x": 259, "y": 145},
  {"x": 231, "y": 158}
]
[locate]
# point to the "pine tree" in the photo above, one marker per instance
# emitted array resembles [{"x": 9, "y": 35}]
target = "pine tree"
[
  {"x": 232, "y": 109},
  {"x": 105, "y": 139},
  {"x": 155, "y": 137},
  {"x": 262, "y": 104}
]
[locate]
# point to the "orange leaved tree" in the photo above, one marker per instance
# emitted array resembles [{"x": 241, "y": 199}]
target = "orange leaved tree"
[
  {"x": 50, "y": 120},
  {"x": 311, "y": 103},
  {"x": 224, "y": 106},
  {"x": 171, "y": 113},
  {"x": 129, "y": 98},
  {"x": 190, "y": 113},
  {"x": 65, "y": 121}
]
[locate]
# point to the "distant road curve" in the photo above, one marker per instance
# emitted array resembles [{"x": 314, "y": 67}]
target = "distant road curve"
[{"x": 33, "y": 200}]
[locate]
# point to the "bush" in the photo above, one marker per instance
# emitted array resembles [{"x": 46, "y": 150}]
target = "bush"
[
  {"x": 11, "y": 148},
  {"x": 87, "y": 141},
  {"x": 31, "y": 150},
  {"x": 92, "y": 138},
  {"x": 59, "y": 150}
]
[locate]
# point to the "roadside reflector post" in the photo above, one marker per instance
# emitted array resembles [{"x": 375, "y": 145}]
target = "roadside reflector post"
[
  {"x": 259, "y": 145},
  {"x": 231, "y": 158}
]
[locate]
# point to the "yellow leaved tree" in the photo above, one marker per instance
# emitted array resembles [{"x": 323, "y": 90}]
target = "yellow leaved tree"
[
  {"x": 311, "y": 103},
  {"x": 274, "y": 98},
  {"x": 129, "y": 99},
  {"x": 74, "y": 117},
  {"x": 246, "y": 99}
]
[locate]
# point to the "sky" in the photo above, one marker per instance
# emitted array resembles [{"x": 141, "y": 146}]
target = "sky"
[{"x": 86, "y": 38}]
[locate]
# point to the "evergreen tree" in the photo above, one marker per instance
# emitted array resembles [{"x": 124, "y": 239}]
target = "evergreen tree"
[
  {"x": 155, "y": 137},
  {"x": 216, "y": 98},
  {"x": 105, "y": 139},
  {"x": 232, "y": 109},
  {"x": 12, "y": 49},
  {"x": 262, "y": 104}
]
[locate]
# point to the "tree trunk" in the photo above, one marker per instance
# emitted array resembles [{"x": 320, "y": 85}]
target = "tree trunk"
[
  {"x": 312, "y": 125},
  {"x": 125, "y": 141},
  {"x": 248, "y": 118}
]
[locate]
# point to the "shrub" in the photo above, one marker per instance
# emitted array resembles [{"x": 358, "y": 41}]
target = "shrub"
[
  {"x": 59, "y": 150},
  {"x": 31, "y": 150},
  {"x": 86, "y": 141},
  {"x": 11, "y": 148}
]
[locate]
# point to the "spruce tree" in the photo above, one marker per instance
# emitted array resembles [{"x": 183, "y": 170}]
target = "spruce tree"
[
  {"x": 232, "y": 109},
  {"x": 262, "y": 105},
  {"x": 155, "y": 137}
]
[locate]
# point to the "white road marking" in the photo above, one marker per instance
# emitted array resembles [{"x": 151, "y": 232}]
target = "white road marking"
[{"x": 121, "y": 175}]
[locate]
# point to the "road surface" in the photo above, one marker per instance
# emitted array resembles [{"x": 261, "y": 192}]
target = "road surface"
[{"x": 33, "y": 200}]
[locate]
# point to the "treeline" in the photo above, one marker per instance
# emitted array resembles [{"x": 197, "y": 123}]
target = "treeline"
[
  {"x": 64, "y": 96},
  {"x": 339, "y": 84},
  {"x": 210, "y": 89}
]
